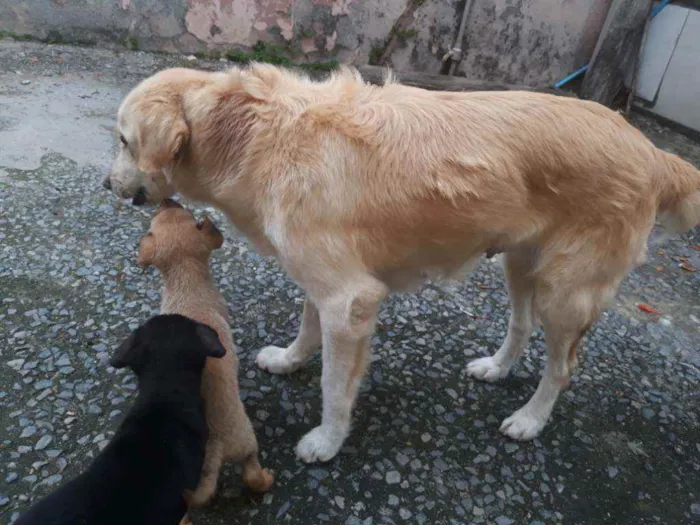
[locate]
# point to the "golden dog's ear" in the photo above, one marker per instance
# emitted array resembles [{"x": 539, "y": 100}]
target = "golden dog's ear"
[
  {"x": 147, "y": 250},
  {"x": 212, "y": 236},
  {"x": 164, "y": 135}
]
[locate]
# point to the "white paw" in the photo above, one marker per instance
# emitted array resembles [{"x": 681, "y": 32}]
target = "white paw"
[
  {"x": 277, "y": 360},
  {"x": 321, "y": 444},
  {"x": 523, "y": 425},
  {"x": 487, "y": 369}
]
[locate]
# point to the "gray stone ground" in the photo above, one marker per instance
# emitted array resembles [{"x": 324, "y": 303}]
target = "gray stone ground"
[{"x": 623, "y": 445}]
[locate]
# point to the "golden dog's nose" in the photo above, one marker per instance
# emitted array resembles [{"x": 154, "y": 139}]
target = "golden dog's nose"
[
  {"x": 169, "y": 203},
  {"x": 107, "y": 184}
]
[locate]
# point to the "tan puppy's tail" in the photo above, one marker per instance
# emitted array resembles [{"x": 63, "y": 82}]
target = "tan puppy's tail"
[{"x": 679, "y": 193}]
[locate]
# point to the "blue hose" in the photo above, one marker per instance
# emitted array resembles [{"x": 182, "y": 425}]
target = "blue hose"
[
  {"x": 572, "y": 76},
  {"x": 655, "y": 11}
]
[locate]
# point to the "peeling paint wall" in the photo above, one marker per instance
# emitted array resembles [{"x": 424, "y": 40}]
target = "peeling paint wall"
[{"x": 519, "y": 41}]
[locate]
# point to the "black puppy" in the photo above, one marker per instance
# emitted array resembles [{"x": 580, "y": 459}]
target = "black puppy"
[{"x": 157, "y": 453}]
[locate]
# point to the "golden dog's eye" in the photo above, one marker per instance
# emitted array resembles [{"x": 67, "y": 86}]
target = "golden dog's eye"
[{"x": 121, "y": 137}]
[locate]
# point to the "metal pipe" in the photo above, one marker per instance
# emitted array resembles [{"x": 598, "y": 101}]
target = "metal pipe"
[{"x": 455, "y": 54}]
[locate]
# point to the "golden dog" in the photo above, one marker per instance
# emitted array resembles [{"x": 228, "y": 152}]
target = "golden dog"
[
  {"x": 180, "y": 247},
  {"x": 359, "y": 190}
]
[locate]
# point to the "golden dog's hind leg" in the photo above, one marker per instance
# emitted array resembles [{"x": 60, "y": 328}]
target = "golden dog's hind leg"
[
  {"x": 567, "y": 313},
  {"x": 521, "y": 289}
]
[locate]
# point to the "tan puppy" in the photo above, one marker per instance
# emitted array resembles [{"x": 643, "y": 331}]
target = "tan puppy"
[
  {"x": 359, "y": 190},
  {"x": 180, "y": 248}
]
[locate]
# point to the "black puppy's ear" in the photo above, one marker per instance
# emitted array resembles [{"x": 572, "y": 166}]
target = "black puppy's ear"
[
  {"x": 127, "y": 352},
  {"x": 211, "y": 341}
]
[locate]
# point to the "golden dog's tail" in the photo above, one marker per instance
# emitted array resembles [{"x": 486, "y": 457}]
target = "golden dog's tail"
[{"x": 679, "y": 193}]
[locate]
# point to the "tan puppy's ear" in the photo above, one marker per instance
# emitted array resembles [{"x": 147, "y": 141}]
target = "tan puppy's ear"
[
  {"x": 147, "y": 250},
  {"x": 213, "y": 237},
  {"x": 165, "y": 136}
]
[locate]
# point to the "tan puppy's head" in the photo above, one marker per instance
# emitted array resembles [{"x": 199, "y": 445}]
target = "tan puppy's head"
[
  {"x": 175, "y": 236},
  {"x": 152, "y": 132}
]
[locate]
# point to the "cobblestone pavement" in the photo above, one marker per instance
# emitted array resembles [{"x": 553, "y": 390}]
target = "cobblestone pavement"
[{"x": 623, "y": 446}]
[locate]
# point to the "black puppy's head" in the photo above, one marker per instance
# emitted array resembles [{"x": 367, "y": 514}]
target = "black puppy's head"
[{"x": 168, "y": 344}]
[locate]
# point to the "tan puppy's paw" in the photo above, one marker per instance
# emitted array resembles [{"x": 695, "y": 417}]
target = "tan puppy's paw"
[
  {"x": 277, "y": 360},
  {"x": 261, "y": 482}
]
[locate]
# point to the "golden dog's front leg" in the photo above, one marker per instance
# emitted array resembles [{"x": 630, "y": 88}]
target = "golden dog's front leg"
[
  {"x": 347, "y": 324},
  {"x": 287, "y": 360}
]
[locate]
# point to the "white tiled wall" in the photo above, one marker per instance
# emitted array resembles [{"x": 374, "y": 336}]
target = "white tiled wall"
[{"x": 669, "y": 73}]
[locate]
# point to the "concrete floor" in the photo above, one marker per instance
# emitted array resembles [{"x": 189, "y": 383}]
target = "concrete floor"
[{"x": 622, "y": 447}]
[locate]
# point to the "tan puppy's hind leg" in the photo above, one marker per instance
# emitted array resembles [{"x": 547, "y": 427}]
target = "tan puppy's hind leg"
[{"x": 210, "y": 474}]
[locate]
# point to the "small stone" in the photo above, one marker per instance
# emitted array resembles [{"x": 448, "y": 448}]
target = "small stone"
[
  {"x": 283, "y": 509},
  {"x": 11, "y": 477},
  {"x": 52, "y": 480},
  {"x": 612, "y": 472},
  {"x": 43, "y": 442},
  {"x": 28, "y": 432},
  {"x": 4, "y": 500},
  {"x": 16, "y": 364},
  {"x": 405, "y": 514},
  {"x": 26, "y": 82},
  {"x": 695, "y": 509},
  {"x": 319, "y": 474},
  {"x": 477, "y": 511},
  {"x": 393, "y": 477},
  {"x": 340, "y": 501},
  {"x": 425, "y": 437},
  {"x": 440, "y": 464},
  {"x": 503, "y": 520},
  {"x": 393, "y": 500}
]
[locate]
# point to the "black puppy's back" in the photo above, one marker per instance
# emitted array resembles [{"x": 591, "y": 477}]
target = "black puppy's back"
[{"x": 158, "y": 451}]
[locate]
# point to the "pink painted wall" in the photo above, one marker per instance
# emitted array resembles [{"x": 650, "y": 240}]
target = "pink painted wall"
[{"x": 521, "y": 41}]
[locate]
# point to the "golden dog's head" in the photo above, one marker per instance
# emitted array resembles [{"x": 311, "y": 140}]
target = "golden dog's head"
[
  {"x": 152, "y": 132},
  {"x": 176, "y": 235}
]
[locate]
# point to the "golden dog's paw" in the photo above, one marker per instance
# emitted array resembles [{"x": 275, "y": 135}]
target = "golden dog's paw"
[{"x": 277, "y": 360}]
